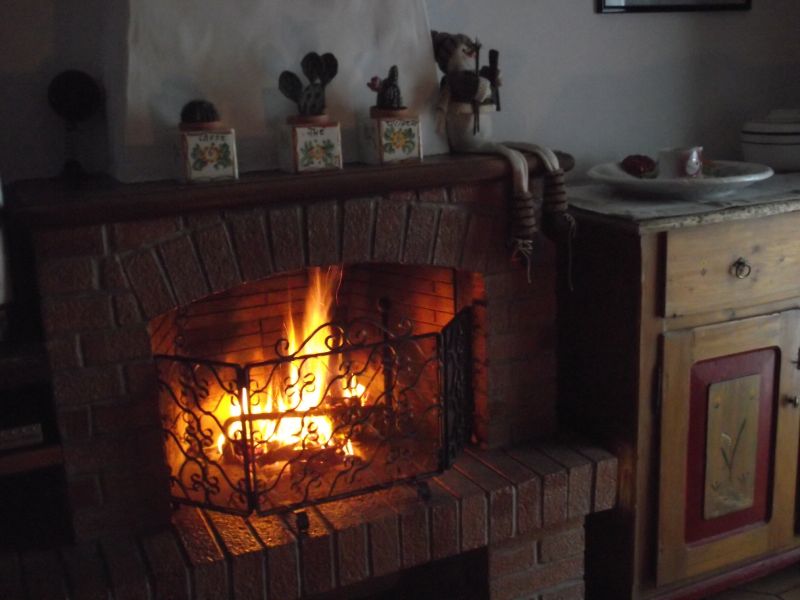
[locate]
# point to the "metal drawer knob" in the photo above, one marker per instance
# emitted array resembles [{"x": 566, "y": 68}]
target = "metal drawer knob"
[
  {"x": 741, "y": 269},
  {"x": 793, "y": 400}
]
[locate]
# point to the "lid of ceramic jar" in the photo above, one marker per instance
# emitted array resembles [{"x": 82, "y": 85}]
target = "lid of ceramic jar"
[
  {"x": 781, "y": 121},
  {"x": 773, "y": 139}
]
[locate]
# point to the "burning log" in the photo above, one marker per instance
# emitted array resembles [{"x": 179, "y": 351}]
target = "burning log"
[
  {"x": 275, "y": 452},
  {"x": 319, "y": 462}
]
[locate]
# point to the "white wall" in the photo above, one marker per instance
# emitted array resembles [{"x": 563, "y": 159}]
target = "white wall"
[
  {"x": 598, "y": 86},
  {"x": 602, "y": 86},
  {"x": 184, "y": 49}
]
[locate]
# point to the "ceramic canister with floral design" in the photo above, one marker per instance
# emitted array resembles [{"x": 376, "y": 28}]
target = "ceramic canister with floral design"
[
  {"x": 311, "y": 143},
  {"x": 208, "y": 154},
  {"x": 390, "y": 136}
]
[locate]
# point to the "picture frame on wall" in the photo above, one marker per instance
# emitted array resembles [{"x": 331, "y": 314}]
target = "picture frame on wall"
[{"x": 620, "y": 6}]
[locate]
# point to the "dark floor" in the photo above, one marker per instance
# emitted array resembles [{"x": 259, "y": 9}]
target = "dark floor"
[{"x": 783, "y": 585}]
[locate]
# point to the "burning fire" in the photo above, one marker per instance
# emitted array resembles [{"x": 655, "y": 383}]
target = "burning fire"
[{"x": 296, "y": 421}]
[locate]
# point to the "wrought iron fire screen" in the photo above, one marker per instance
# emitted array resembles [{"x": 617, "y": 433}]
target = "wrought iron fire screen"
[{"x": 357, "y": 407}]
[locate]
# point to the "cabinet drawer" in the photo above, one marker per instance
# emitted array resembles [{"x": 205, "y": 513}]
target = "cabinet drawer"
[{"x": 732, "y": 265}]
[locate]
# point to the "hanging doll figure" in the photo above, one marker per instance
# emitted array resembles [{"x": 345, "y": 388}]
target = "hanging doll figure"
[{"x": 468, "y": 95}]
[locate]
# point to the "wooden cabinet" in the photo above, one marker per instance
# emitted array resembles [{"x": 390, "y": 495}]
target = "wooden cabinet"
[
  {"x": 679, "y": 347},
  {"x": 728, "y": 452}
]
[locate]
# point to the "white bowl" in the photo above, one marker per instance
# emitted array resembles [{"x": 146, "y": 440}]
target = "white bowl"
[{"x": 727, "y": 177}]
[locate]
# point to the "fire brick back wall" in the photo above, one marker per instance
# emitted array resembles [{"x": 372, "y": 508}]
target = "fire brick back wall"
[
  {"x": 425, "y": 295},
  {"x": 242, "y": 324}
]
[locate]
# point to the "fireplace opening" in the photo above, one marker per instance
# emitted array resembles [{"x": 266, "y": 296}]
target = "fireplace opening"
[{"x": 315, "y": 385}]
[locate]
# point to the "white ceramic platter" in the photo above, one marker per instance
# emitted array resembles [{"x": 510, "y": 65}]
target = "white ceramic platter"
[{"x": 723, "y": 177}]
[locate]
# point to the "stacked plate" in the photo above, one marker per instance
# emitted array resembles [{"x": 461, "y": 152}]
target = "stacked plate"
[{"x": 774, "y": 140}]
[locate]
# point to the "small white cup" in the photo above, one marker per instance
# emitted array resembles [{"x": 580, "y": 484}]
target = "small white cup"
[{"x": 680, "y": 162}]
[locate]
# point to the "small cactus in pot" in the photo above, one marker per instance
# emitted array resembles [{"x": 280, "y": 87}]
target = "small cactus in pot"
[
  {"x": 392, "y": 133},
  {"x": 208, "y": 148},
  {"x": 319, "y": 70},
  {"x": 311, "y": 141},
  {"x": 199, "y": 114},
  {"x": 389, "y": 96}
]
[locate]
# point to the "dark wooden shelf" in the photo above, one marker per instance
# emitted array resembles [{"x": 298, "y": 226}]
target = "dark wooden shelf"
[
  {"x": 25, "y": 385},
  {"x": 48, "y": 202},
  {"x": 29, "y": 459}
]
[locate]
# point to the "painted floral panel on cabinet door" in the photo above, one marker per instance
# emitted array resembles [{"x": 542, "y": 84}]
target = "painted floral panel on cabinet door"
[
  {"x": 731, "y": 431},
  {"x": 731, "y": 445}
]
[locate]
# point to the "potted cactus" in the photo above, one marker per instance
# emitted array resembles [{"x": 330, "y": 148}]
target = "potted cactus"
[
  {"x": 310, "y": 100},
  {"x": 389, "y": 101},
  {"x": 208, "y": 147},
  {"x": 199, "y": 115},
  {"x": 392, "y": 133},
  {"x": 313, "y": 140}
]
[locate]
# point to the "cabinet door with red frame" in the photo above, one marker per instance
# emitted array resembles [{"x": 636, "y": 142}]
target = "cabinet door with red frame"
[{"x": 729, "y": 444}]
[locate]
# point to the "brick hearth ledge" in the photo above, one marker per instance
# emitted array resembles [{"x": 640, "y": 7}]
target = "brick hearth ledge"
[{"x": 527, "y": 505}]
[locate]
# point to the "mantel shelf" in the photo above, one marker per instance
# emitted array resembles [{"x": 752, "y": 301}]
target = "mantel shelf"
[{"x": 50, "y": 202}]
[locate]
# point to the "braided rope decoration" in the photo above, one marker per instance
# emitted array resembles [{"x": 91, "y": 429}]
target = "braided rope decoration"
[
  {"x": 523, "y": 228},
  {"x": 558, "y": 224},
  {"x": 558, "y": 220}
]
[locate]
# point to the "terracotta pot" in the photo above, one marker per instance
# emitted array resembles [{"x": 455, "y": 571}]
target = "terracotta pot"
[
  {"x": 322, "y": 119},
  {"x": 389, "y": 113},
  {"x": 207, "y": 126}
]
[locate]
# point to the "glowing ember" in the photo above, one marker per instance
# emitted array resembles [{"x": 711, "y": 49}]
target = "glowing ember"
[{"x": 353, "y": 389}]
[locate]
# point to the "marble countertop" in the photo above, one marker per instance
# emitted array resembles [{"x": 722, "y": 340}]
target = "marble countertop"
[{"x": 776, "y": 195}]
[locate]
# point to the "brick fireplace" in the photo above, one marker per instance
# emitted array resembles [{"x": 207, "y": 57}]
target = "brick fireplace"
[{"x": 115, "y": 267}]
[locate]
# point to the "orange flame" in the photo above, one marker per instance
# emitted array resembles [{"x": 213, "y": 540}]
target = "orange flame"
[{"x": 304, "y": 429}]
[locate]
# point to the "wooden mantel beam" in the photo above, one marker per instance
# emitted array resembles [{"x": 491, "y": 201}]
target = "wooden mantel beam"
[{"x": 51, "y": 202}]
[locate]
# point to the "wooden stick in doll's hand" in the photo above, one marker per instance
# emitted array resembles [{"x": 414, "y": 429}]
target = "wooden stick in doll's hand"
[
  {"x": 476, "y": 123},
  {"x": 492, "y": 73},
  {"x": 494, "y": 58}
]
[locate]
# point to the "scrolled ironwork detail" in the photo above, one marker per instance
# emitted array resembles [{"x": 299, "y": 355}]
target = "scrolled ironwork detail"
[
  {"x": 368, "y": 407},
  {"x": 456, "y": 356}
]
